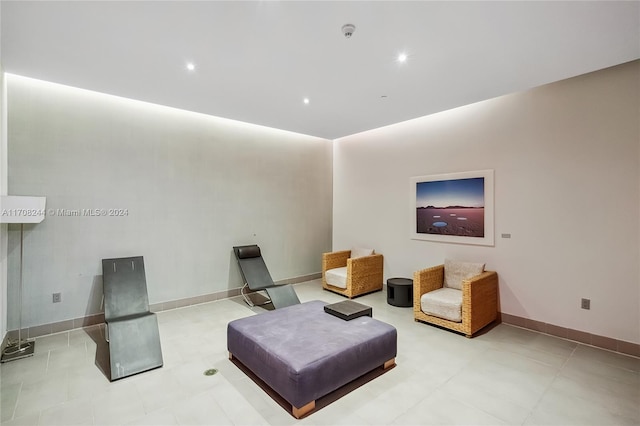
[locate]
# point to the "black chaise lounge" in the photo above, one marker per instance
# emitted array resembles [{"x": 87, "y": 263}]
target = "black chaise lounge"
[
  {"x": 256, "y": 276},
  {"x": 132, "y": 330}
]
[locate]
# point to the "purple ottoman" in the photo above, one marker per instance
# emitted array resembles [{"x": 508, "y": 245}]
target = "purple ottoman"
[{"x": 304, "y": 353}]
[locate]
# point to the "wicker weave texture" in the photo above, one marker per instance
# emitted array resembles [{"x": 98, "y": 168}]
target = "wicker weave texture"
[
  {"x": 364, "y": 274},
  {"x": 479, "y": 299}
]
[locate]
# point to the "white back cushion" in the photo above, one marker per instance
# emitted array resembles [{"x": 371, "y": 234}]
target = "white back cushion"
[
  {"x": 455, "y": 272},
  {"x": 360, "y": 252}
]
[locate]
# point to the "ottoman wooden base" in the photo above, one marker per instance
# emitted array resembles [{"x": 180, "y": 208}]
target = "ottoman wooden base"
[{"x": 324, "y": 400}]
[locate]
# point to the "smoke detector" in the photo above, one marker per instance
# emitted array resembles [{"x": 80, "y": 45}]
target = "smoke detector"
[{"x": 348, "y": 29}]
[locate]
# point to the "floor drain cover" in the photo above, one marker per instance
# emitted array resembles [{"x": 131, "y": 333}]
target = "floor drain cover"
[{"x": 210, "y": 372}]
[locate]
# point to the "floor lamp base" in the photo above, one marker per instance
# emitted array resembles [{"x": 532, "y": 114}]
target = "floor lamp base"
[{"x": 18, "y": 351}]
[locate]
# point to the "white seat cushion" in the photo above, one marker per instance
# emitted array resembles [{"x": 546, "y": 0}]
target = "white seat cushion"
[
  {"x": 337, "y": 277},
  {"x": 443, "y": 303},
  {"x": 455, "y": 272}
]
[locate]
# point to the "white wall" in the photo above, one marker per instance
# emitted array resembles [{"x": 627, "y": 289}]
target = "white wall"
[
  {"x": 3, "y": 191},
  {"x": 193, "y": 186},
  {"x": 567, "y": 184}
]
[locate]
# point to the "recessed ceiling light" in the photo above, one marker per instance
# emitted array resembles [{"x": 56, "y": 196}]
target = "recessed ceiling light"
[
  {"x": 191, "y": 66},
  {"x": 306, "y": 101},
  {"x": 402, "y": 57}
]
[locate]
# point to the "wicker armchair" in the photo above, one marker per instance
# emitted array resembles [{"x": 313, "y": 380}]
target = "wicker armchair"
[
  {"x": 479, "y": 299},
  {"x": 364, "y": 274}
]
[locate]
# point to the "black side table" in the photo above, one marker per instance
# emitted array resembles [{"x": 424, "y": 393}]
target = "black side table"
[{"x": 400, "y": 292}]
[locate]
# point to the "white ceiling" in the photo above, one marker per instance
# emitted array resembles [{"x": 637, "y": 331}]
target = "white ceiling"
[{"x": 256, "y": 61}]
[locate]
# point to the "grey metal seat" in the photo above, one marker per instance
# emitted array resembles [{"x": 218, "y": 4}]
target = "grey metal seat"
[
  {"x": 132, "y": 330},
  {"x": 256, "y": 277}
]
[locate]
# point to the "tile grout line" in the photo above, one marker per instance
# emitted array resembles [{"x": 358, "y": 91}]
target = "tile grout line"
[
  {"x": 15, "y": 406},
  {"x": 574, "y": 340},
  {"x": 613, "y": 352},
  {"x": 461, "y": 401},
  {"x": 550, "y": 384},
  {"x": 48, "y": 359},
  {"x": 537, "y": 362}
]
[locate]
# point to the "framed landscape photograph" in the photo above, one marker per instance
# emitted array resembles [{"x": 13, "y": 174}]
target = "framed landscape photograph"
[{"x": 453, "y": 208}]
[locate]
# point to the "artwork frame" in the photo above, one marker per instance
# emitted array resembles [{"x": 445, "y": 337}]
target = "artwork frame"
[{"x": 453, "y": 207}]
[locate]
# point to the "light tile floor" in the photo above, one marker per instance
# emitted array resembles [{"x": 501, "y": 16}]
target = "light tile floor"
[{"x": 507, "y": 375}]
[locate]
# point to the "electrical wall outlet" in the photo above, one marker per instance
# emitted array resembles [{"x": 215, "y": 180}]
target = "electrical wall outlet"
[
  {"x": 57, "y": 297},
  {"x": 586, "y": 304}
]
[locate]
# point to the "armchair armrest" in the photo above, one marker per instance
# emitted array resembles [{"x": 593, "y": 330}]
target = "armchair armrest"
[
  {"x": 365, "y": 274},
  {"x": 477, "y": 287},
  {"x": 427, "y": 280},
  {"x": 336, "y": 259},
  {"x": 480, "y": 298},
  {"x": 365, "y": 266},
  {"x": 424, "y": 281}
]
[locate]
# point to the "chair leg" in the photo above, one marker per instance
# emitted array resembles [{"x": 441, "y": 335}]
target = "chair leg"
[{"x": 247, "y": 300}]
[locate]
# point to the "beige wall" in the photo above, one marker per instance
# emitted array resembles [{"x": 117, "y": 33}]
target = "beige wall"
[
  {"x": 192, "y": 185},
  {"x": 567, "y": 188}
]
